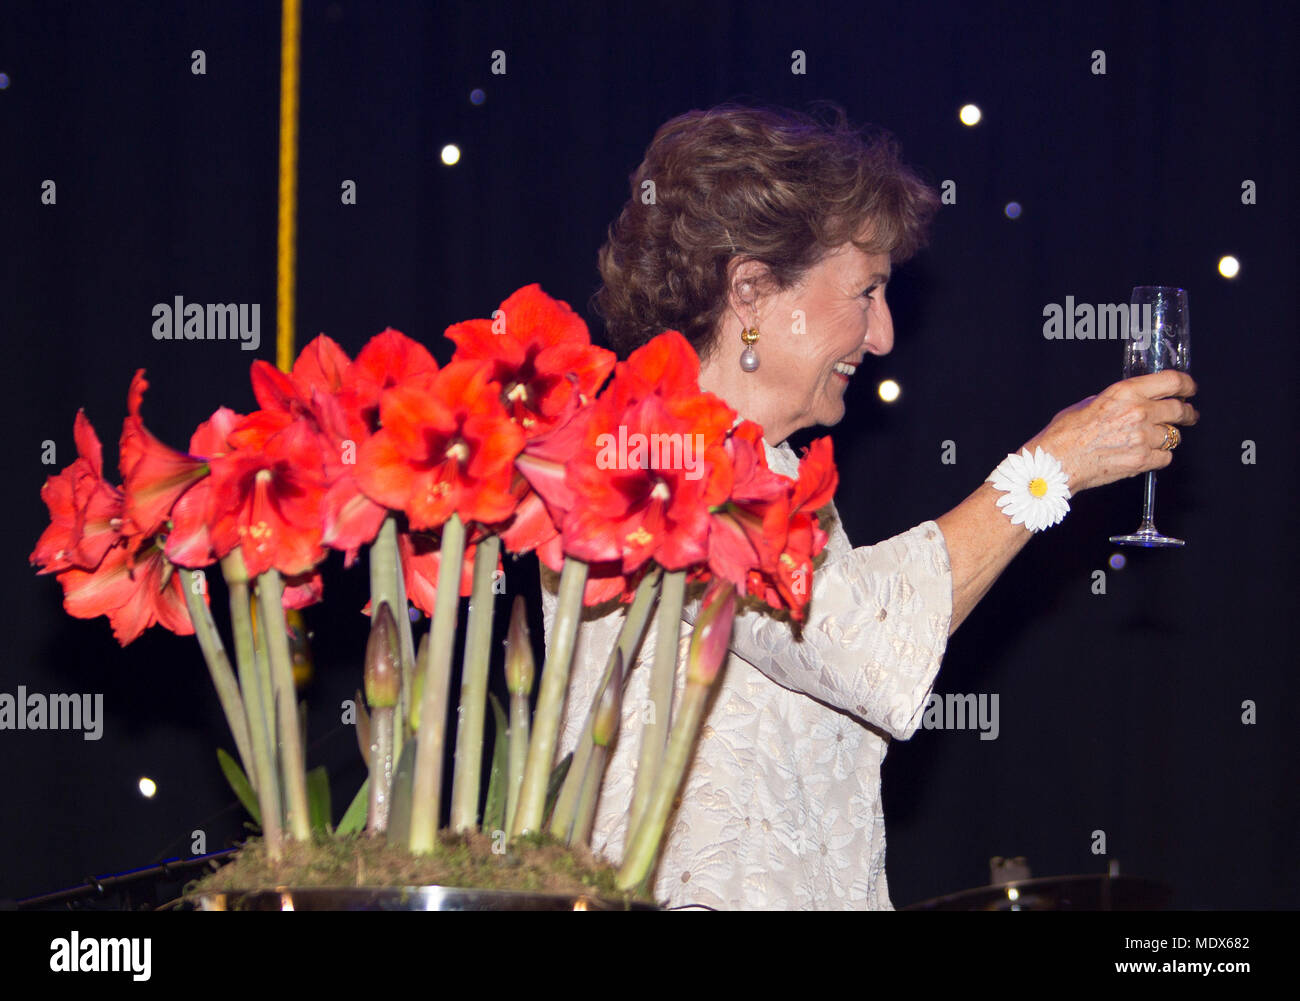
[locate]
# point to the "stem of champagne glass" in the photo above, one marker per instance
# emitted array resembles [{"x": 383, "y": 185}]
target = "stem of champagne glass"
[{"x": 1148, "y": 503}]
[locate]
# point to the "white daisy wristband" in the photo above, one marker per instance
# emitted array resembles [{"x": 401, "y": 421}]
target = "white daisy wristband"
[{"x": 1036, "y": 491}]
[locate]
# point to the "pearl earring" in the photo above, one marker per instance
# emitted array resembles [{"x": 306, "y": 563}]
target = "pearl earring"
[{"x": 749, "y": 357}]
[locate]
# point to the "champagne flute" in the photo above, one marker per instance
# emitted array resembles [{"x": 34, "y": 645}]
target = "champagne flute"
[{"x": 1159, "y": 338}]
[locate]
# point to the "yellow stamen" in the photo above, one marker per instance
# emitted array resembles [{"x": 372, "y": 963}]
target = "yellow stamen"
[
  {"x": 1038, "y": 486},
  {"x": 640, "y": 537}
]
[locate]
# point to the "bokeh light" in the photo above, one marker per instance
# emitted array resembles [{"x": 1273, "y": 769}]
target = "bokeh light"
[
  {"x": 970, "y": 114},
  {"x": 1117, "y": 561},
  {"x": 1229, "y": 266},
  {"x": 148, "y": 788},
  {"x": 889, "y": 390},
  {"x": 476, "y": 96},
  {"x": 1012, "y": 210},
  {"x": 450, "y": 154}
]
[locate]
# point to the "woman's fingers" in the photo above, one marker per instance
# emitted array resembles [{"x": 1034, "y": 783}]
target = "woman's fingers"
[
  {"x": 1173, "y": 412},
  {"x": 1119, "y": 432},
  {"x": 1160, "y": 385}
]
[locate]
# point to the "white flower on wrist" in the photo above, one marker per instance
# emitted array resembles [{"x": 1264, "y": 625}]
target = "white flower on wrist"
[{"x": 1036, "y": 489}]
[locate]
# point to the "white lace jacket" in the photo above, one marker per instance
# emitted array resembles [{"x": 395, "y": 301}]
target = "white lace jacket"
[{"x": 781, "y": 806}]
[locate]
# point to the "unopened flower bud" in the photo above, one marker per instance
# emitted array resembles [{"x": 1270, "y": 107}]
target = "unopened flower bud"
[
  {"x": 383, "y": 660},
  {"x": 519, "y": 651},
  {"x": 712, "y": 633}
]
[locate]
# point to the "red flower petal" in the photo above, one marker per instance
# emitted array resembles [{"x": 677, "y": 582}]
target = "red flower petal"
[
  {"x": 322, "y": 366},
  {"x": 153, "y": 474}
]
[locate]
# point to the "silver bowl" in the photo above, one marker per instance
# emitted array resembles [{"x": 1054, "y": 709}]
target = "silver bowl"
[{"x": 405, "y": 898}]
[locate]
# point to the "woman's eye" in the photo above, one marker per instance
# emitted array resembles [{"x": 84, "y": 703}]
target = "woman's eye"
[{"x": 868, "y": 292}]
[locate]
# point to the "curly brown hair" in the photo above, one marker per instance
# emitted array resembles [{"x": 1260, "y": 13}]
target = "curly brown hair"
[{"x": 772, "y": 185}]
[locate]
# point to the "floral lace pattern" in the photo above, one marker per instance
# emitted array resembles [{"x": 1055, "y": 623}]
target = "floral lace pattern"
[{"x": 781, "y": 805}]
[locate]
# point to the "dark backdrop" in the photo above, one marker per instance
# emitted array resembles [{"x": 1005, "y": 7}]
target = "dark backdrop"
[{"x": 1118, "y": 712}]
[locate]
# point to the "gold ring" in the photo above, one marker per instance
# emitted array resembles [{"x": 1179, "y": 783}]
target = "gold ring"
[{"x": 1173, "y": 438}]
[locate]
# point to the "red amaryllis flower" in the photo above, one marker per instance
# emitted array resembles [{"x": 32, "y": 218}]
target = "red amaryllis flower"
[
  {"x": 651, "y": 465},
  {"x": 322, "y": 367},
  {"x": 268, "y": 494},
  {"x": 189, "y": 539},
  {"x": 532, "y": 526},
  {"x": 540, "y": 353},
  {"x": 547, "y": 498},
  {"x": 818, "y": 477},
  {"x": 645, "y": 482},
  {"x": 315, "y": 393},
  {"x": 749, "y": 530},
  {"x": 542, "y": 464},
  {"x": 786, "y": 582},
  {"x": 446, "y": 446},
  {"x": 134, "y": 597},
  {"x": 421, "y": 559},
  {"x": 86, "y": 511},
  {"x": 666, "y": 364},
  {"x": 388, "y": 360},
  {"x": 154, "y": 475},
  {"x": 320, "y": 374}
]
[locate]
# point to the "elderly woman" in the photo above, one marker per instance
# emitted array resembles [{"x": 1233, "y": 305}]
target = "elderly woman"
[{"x": 769, "y": 243}]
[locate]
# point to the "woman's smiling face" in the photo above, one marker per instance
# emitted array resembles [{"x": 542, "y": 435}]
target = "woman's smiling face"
[{"x": 814, "y": 335}]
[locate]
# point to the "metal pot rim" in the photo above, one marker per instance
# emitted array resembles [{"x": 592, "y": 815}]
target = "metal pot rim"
[{"x": 406, "y": 898}]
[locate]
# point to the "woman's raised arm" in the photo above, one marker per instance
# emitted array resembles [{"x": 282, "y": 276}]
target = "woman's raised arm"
[{"x": 1104, "y": 438}]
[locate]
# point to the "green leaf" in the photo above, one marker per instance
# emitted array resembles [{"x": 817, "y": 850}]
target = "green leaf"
[
  {"x": 354, "y": 819},
  {"x": 240, "y": 784},
  {"x": 553, "y": 787},
  {"x": 494, "y": 811},
  {"x": 318, "y": 800},
  {"x": 399, "y": 809}
]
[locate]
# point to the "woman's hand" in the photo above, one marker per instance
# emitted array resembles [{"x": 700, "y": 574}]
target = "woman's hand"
[
  {"x": 1118, "y": 432},
  {"x": 1104, "y": 438}
]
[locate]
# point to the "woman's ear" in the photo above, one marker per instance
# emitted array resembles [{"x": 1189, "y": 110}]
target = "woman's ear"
[{"x": 744, "y": 282}]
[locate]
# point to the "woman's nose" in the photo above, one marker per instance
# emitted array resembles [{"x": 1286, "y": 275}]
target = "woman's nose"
[{"x": 880, "y": 331}]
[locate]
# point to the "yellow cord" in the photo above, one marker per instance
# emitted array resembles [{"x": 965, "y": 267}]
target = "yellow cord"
[{"x": 286, "y": 258}]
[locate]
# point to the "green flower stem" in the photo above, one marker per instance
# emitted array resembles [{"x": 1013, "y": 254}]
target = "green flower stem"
[
  {"x": 604, "y": 728},
  {"x": 550, "y": 700},
  {"x": 270, "y": 593},
  {"x": 223, "y": 677},
  {"x": 519, "y": 728},
  {"x": 654, "y": 732},
  {"x": 266, "y": 692},
  {"x": 629, "y": 638},
  {"x": 473, "y": 689},
  {"x": 427, "y": 792},
  {"x": 387, "y": 583},
  {"x": 381, "y": 769},
  {"x": 643, "y": 844},
  {"x": 519, "y": 682},
  {"x": 265, "y": 776},
  {"x": 262, "y": 678},
  {"x": 586, "y": 813}
]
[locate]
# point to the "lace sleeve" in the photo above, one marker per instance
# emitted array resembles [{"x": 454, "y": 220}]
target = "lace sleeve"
[{"x": 876, "y": 631}]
